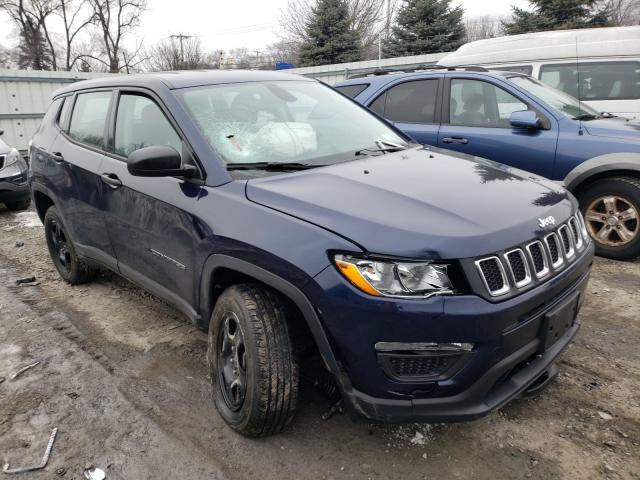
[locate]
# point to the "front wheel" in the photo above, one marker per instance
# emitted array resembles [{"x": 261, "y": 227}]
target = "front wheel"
[
  {"x": 611, "y": 209},
  {"x": 19, "y": 205},
  {"x": 254, "y": 372}
]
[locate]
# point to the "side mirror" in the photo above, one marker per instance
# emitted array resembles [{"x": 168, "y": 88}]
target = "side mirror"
[
  {"x": 525, "y": 119},
  {"x": 158, "y": 161}
]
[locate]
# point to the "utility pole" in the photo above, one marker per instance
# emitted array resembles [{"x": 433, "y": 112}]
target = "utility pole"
[{"x": 181, "y": 37}]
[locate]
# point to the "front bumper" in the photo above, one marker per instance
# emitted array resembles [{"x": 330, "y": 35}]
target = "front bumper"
[
  {"x": 511, "y": 349},
  {"x": 13, "y": 183}
]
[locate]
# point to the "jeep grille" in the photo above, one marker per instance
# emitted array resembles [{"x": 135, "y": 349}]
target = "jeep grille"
[{"x": 516, "y": 268}]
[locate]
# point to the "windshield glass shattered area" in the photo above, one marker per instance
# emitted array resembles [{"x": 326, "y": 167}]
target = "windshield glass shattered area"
[
  {"x": 284, "y": 121},
  {"x": 563, "y": 102}
]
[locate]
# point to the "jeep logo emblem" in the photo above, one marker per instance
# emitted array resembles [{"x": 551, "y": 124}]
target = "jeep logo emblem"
[{"x": 547, "y": 222}]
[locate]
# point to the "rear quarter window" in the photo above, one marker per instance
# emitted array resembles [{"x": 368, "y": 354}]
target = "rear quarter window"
[
  {"x": 352, "y": 91},
  {"x": 89, "y": 118}
]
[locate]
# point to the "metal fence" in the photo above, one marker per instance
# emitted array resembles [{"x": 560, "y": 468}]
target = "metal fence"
[
  {"x": 337, "y": 72},
  {"x": 24, "y": 98}
]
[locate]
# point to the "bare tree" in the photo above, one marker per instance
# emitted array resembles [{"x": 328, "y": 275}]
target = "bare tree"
[
  {"x": 115, "y": 19},
  {"x": 76, "y": 16},
  {"x": 176, "y": 54},
  {"x": 368, "y": 17},
  {"x": 623, "y": 12},
  {"x": 36, "y": 49},
  {"x": 485, "y": 26}
]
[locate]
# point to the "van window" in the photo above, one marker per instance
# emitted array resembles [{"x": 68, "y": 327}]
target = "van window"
[
  {"x": 598, "y": 80},
  {"x": 474, "y": 103},
  {"x": 410, "y": 102},
  {"x": 140, "y": 123},
  {"x": 89, "y": 118},
  {"x": 525, "y": 69},
  {"x": 352, "y": 90}
]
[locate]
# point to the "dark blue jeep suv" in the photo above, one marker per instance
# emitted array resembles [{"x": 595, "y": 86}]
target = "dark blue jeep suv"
[
  {"x": 514, "y": 119},
  {"x": 288, "y": 221}
]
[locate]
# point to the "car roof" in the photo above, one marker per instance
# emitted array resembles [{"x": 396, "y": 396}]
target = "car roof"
[
  {"x": 388, "y": 77},
  {"x": 181, "y": 79}
]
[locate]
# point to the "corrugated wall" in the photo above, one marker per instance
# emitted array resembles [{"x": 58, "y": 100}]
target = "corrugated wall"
[
  {"x": 334, "y": 73},
  {"x": 24, "y": 98}
]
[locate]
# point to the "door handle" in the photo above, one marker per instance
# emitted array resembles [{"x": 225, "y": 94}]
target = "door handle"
[
  {"x": 455, "y": 140},
  {"x": 111, "y": 179},
  {"x": 57, "y": 156}
]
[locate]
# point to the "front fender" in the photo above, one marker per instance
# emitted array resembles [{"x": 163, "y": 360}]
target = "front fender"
[{"x": 610, "y": 162}]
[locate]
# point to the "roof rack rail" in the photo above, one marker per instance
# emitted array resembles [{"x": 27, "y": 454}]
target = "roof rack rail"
[{"x": 386, "y": 71}]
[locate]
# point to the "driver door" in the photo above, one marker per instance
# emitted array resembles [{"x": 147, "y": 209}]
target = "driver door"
[{"x": 476, "y": 121}]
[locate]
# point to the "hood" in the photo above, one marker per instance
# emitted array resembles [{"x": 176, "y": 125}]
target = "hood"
[
  {"x": 419, "y": 203},
  {"x": 618, "y": 127}
]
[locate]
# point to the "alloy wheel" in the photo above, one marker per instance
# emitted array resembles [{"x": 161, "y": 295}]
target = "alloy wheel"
[
  {"x": 62, "y": 253},
  {"x": 612, "y": 220},
  {"x": 232, "y": 366}
]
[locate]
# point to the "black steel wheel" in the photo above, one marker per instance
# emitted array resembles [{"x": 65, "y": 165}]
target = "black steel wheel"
[
  {"x": 69, "y": 266},
  {"x": 254, "y": 372}
]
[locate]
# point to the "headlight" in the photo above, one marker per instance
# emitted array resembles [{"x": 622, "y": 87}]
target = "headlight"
[
  {"x": 12, "y": 157},
  {"x": 395, "y": 279}
]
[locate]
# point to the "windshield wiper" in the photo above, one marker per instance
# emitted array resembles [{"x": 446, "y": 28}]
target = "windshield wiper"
[
  {"x": 271, "y": 166},
  {"x": 390, "y": 147},
  {"x": 586, "y": 116}
]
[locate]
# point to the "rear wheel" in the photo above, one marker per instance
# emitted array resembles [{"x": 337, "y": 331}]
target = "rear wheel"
[
  {"x": 69, "y": 266},
  {"x": 19, "y": 205},
  {"x": 254, "y": 373},
  {"x": 611, "y": 209}
]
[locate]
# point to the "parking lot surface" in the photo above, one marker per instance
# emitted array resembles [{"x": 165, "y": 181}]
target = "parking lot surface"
[{"x": 122, "y": 376}]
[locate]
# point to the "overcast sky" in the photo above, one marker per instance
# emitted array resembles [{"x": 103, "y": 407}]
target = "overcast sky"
[{"x": 229, "y": 24}]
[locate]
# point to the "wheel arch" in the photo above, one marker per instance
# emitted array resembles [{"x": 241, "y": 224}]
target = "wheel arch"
[
  {"x": 602, "y": 166},
  {"x": 42, "y": 200},
  {"x": 244, "y": 270}
]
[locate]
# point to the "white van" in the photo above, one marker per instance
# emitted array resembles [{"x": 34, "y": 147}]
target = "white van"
[{"x": 608, "y": 58}]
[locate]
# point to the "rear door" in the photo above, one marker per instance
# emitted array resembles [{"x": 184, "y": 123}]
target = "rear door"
[
  {"x": 413, "y": 106},
  {"x": 73, "y": 172},
  {"x": 154, "y": 236},
  {"x": 476, "y": 120}
]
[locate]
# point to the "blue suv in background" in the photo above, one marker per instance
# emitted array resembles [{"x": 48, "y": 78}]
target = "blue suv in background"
[
  {"x": 514, "y": 119},
  {"x": 292, "y": 224}
]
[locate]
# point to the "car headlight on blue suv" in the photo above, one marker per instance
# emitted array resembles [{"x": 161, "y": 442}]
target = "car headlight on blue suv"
[
  {"x": 12, "y": 157},
  {"x": 388, "y": 278}
]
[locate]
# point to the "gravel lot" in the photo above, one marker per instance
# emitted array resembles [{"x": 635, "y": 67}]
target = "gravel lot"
[{"x": 122, "y": 376}]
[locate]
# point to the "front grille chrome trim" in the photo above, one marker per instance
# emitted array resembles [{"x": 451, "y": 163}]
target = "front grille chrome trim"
[
  {"x": 574, "y": 226},
  {"x": 545, "y": 259},
  {"x": 505, "y": 282},
  {"x": 560, "y": 262},
  {"x": 527, "y": 279},
  {"x": 562, "y": 231}
]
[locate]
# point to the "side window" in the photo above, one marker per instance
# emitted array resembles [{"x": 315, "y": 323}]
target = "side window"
[
  {"x": 526, "y": 69},
  {"x": 352, "y": 90},
  {"x": 378, "y": 104},
  {"x": 598, "y": 81},
  {"x": 140, "y": 123},
  {"x": 412, "y": 102},
  {"x": 474, "y": 103},
  {"x": 89, "y": 118},
  {"x": 62, "y": 117}
]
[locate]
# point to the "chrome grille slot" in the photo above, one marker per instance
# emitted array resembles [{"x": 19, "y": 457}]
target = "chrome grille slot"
[
  {"x": 518, "y": 267},
  {"x": 553, "y": 245},
  {"x": 574, "y": 226},
  {"x": 1, "y": 162},
  {"x": 567, "y": 241},
  {"x": 538, "y": 258},
  {"x": 493, "y": 275}
]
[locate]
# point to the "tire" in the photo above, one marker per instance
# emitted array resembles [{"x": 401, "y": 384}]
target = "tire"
[
  {"x": 63, "y": 254},
  {"x": 262, "y": 359},
  {"x": 19, "y": 205},
  {"x": 611, "y": 208}
]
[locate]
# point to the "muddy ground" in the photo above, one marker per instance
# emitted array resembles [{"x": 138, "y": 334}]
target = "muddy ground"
[{"x": 122, "y": 376}]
